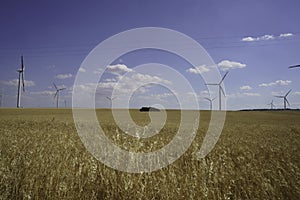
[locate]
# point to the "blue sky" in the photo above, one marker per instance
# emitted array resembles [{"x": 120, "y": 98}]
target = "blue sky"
[{"x": 254, "y": 40}]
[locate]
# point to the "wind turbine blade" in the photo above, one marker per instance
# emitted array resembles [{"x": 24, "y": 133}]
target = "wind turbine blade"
[
  {"x": 62, "y": 89},
  {"x": 55, "y": 86},
  {"x": 108, "y": 98},
  {"x": 214, "y": 98},
  {"x": 294, "y": 66},
  {"x": 223, "y": 78},
  {"x": 222, "y": 90},
  {"x": 287, "y": 101},
  {"x": 288, "y": 92},
  {"x": 55, "y": 94},
  {"x": 22, "y": 63},
  {"x": 279, "y": 96},
  {"x": 207, "y": 99}
]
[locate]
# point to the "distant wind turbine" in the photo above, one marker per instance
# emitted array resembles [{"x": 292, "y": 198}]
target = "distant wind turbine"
[
  {"x": 65, "y": 103},
  {"x": 220, "y": 89},
  {"x": 57, "y": 94},
  {"x": 111, "y": 100},
  {"x": 211, "y": 101},
  {"x": 271, "y": 104},
  {"x": 285, "y": 99},
  {"x": 21, "y": 76},
  {"x": 294, "y": 66},
  {"x": 1, "y": 97}
]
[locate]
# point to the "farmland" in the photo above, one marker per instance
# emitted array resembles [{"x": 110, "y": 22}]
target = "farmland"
[{"x": 256, "y": 157}]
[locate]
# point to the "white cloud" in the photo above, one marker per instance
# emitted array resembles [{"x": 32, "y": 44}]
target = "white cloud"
[
  {"x": 276, "y": 83},
  {"x": 245, "y": 87},
  {"x": 276, "y": 93},
  {"x": 106, "y": 85},
  {"x": 297, "y": 93},
  {"x": 253, "y": 39},
  {"x": 250, "y": 94},
  {"x": 163, "y": 95},
  {"x": 204, "y": 93},
  {"x": 45, "y": 92},
  {"x": 63, "y": 76},
  {"x": 118, "y": 69},
  {"x": 128, "y": 83},
  {"x": 14, "y": 82},
  {"x": 266, "y": 37},
  {"x": 97, "y": 71},
  {"x": 198, "y": 70},
  {"x": 62, "y": 86},
  {"x": 147, "y": 78},
  {"x": 81, "y": 69},
  {"x": 243, "y": 95},
  {"x": 283, "y": 35},
  {"x": 248, "y": 39},
  {"x": 125, "y": 84},
  {"x": 110, "y": 80},
  {"x": 225, "y": 65}
]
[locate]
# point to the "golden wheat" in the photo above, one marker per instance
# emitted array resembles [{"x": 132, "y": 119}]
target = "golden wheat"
[{"x": 256, "y": 157}]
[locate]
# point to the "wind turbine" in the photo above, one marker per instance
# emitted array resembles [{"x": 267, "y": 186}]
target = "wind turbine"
[
  {"x": 1, "y": 98},
  {"x": 65, "y": 103},
  {"x": 271, "y": 104},
  {"x": 111, "y": 100},
  {"x": 57, "y": 93},
  {"x": 220, "y": 89},
  {"x": 21, "y": 75},
  {"x": 285, "y": 99},
  {"x": 210, "y": 100},
  {"x": 294, "y": 66}
]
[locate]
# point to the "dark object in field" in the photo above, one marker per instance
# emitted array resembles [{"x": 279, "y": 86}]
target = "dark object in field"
[{"x": 149, "y": 109}]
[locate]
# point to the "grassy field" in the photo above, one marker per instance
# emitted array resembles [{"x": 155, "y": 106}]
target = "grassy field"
[{"x": 256, "y": 157}]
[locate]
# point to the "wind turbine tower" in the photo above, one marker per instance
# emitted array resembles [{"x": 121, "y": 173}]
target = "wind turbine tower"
[
  {"x": 285, "y": 99},
  {"x": 210, "y": 101},
  {"x": 220, "y": 89},
  {"x": 57, "y": 94},
  {"x": 21, "y": 76}
]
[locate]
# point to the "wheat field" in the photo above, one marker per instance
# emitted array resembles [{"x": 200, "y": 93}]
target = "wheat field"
[{"x": 256, "y": 157}]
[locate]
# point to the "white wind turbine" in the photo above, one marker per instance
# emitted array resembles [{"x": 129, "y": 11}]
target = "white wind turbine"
[
  {"x": 220, "y": 89},
  {"x": 285, "y": 99},
  {"x": 1, "y": 97},
  {"x": 111, "y": 100},
  {"x": 210, "y": 101},
  {"x": 21, "y": 76},
  {"x": 57, "y": 94},
  {"x": 271, "y": 104}
]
